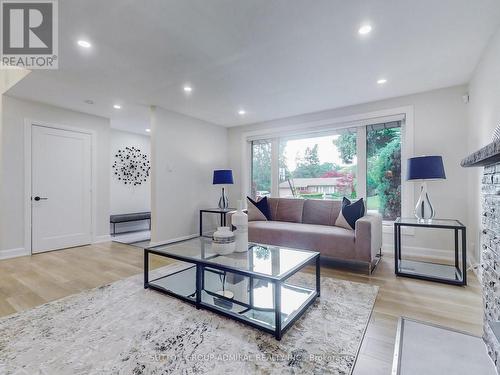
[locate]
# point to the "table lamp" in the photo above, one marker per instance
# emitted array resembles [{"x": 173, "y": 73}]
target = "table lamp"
[
  {"x": 423, "y": 169},
  {"x": 223, "y": 177}
]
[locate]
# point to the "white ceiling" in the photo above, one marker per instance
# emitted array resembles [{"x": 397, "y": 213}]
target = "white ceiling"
[{"x": 273, "y": 58}]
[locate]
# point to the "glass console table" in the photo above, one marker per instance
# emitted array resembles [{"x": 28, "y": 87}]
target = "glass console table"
[
  {"x": 255, "y": 287},
  {"x": 454, "y": 273}
]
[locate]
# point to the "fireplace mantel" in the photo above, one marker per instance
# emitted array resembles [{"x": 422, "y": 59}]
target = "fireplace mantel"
[
  {"x": 489, "y": 158},
  {"x": 489, "y": 154}
]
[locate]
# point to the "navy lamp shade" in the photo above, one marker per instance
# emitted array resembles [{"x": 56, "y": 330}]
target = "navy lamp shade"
[
  {"x": 423, "y": 168},
  {"x": 223, "y": 177}
]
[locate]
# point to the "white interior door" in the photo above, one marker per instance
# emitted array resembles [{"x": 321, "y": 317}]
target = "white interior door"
[{"x": 60, "y": 189}]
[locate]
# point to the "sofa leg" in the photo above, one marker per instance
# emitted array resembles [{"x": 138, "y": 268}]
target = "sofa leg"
[{"x": 371, "y": 267}]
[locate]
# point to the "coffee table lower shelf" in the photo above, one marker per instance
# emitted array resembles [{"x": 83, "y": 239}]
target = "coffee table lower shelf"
[{"x": 264, "y": 303}]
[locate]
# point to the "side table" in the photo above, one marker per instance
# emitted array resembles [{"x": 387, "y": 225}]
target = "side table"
[
  {"x": 222, "y": 212},
  {"x": 455, "y": 274}
]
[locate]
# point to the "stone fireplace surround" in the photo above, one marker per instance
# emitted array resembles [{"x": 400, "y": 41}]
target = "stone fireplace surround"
[{"x": 489, "y": 158}]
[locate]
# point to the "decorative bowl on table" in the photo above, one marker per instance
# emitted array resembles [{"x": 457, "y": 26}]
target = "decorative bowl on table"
[{"x": 223, "y": 241}]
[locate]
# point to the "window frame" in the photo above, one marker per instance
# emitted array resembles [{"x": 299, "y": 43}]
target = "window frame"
[{"x": 331, "y": 124}]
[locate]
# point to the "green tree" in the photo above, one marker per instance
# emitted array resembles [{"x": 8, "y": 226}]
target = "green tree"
[
  {"x": 387, "y": 179},
  {"x": 261, "y": 167},
  {"x": 346, "y": 144},
  {"x": 375, "y": 140},
  {"x": 309, "y": 165}
]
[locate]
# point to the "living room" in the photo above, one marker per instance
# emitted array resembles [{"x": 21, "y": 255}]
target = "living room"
[{"x": 356, "y": 145}]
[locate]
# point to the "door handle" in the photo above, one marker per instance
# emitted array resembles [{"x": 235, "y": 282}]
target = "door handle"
[{"x": 37, "y": 198}]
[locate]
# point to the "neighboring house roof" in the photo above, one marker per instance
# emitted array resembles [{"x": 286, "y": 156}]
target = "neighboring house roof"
[{"x": 305, "y": 182}]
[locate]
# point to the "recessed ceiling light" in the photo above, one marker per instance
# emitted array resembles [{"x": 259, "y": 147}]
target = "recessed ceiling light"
[
  {"x": 148, "y": 130},
  {"x": 242, "y": 112},
  {"x": 89, "y": 101},
  {"x": 84, "y": 44},
  {"x": 187, "y": 88},
  {"x": 381, "y": 81},
  {"x": 365, "y": 29},
  {"x": 117, "y": 106}
]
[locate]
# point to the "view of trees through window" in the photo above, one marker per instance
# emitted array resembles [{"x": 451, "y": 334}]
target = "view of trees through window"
[
  {"x": 383, "y": 167},
  {"x": 383, "y": 177},
  {"x": 312, "y": 168},
  {"x": 261, "y": 168},
  {"x": 325, "y": 167}
]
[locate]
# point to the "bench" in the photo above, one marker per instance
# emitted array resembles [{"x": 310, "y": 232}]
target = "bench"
[{"x": 125, "y": 218}]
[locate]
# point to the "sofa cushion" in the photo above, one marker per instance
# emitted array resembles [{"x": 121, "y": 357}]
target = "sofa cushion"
[
  {"x": 273, "y": 206},
  {"x": 330, "y": 241},
  {"x": 322, "y": 212},
  {"x": 289, "y": 210},
  {"x": 258, "y": 210}
]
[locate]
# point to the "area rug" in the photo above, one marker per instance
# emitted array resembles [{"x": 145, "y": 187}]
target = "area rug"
[{"x": 123, "y": 329}]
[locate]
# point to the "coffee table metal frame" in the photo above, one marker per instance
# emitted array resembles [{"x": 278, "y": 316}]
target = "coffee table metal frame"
[{"x": 204, "y": 265}]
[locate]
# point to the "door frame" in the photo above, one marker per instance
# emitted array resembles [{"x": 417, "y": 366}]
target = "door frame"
[{"x": 28, "y": 126}]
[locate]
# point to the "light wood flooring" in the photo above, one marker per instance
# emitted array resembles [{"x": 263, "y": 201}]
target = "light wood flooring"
[{"x": 31, "y": 281}]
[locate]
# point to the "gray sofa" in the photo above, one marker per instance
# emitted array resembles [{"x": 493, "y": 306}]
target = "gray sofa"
[{"x": 310, "y": 224}]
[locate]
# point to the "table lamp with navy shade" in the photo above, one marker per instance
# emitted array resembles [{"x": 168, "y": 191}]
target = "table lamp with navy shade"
[
  {"x": 223, "y": 177},
  {"x": 425, "y": 168}
]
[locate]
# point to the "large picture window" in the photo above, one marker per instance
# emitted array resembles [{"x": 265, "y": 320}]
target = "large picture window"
[
  {"x": 326, "y": 166},
  {"x": 312, "y": 168}
]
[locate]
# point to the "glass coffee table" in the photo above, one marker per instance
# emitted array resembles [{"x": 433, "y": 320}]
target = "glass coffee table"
[{"x": 255, "y": 287}]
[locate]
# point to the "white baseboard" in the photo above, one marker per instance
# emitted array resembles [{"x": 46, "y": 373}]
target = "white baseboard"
[
  {"x": 13, "y": 253},
  {"x": 166, "y": 242},
  {"x": 103, "y": 238}
]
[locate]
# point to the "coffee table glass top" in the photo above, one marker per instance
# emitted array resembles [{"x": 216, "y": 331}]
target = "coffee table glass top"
[{"x": 273, "y": 261}]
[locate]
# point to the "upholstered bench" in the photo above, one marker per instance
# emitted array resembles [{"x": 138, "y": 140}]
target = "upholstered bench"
[{"x": 125, "y": 218}]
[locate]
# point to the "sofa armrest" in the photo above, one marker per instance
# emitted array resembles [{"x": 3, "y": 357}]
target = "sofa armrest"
[{"x": 368, "y": 236}]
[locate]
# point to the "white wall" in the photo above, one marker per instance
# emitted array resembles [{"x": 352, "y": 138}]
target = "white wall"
[
  {"x": 484, "y": 116},
  {"x": 185, "y": 151},
  {"x": 128, "y": 198},
  {"x": 15, "y": 111},
  {"x": 439, "y": 128}
]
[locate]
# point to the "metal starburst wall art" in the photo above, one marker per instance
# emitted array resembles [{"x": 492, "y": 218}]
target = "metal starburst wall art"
[{"x": 131, "y": 166}]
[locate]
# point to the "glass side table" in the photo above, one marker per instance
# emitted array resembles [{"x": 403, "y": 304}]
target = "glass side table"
[
  {"x": 222, "y": 212},
  {"x": 455, "y": 274}
]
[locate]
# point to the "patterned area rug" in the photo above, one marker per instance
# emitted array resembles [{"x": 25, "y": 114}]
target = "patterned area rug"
[{"x": 123, "y": 329}]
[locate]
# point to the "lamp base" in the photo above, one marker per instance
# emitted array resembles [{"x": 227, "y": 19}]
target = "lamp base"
[
  {"x": 424, "y": 210},
  {"x": 223, "y": 200}
]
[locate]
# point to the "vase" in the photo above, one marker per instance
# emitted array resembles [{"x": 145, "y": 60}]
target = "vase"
[
  {"x": 424, "y": 210},
  {"x": 223, "y": 241},
  {"x": 240, "y": 220}
]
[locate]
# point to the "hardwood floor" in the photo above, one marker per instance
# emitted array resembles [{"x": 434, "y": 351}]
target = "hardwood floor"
[{"x": 27, "y": 282}]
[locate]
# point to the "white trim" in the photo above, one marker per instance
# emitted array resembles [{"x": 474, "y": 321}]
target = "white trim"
[
  {"x": 13, "y": 253},
  {"x": 361, "y": 162},
  {"x": 332, "y": 123},
  {"x": 275, "y": 167},
  {"x": 28, "y": 125},
  {"x": 166, "y": 242}
]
